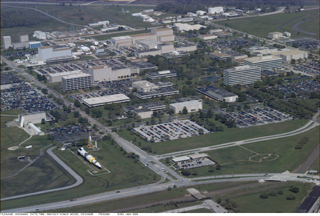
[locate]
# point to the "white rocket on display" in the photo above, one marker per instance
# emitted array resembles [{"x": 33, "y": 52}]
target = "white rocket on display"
[{"x": 88, "y": 157}]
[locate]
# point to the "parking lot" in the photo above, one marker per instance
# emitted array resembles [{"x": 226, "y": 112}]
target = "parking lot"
[
  {"x": 24, "y": 96},
  {"x": 299, "y": 88},
  {"x": 170, "y": 131},
  {"x": 229, "y": 44},
  {"x": 257, "y": 116},
  {"x": 124, "y": 83},
  {"x": 69, "y": 134},
  {"x": 311, "y": 68},
  {"x": 304, "y": 43},
  {"x": 21, "y": 54}
]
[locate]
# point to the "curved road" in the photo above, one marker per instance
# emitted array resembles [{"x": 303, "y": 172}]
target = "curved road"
[
  {"x": 78, "y": 179},
  {"x": 295, "y": 27}
]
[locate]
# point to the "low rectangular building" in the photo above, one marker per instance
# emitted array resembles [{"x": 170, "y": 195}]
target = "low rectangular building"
[
  {"x": 149, "y": 44},
  {"x": 193, "y": 104},
  {"x": 138, "y": 66},
  {"x": 167, "y": 91},
  {"x": 270, "y": 62},
  {"x": 162, "y": 32},
  {"x": 186, "y": 48},
  {"x": 76, "y": 81},
  {"x": 275, "y": 35},
  {"x": 159, "y": 74},
  {"x": 145, "y": 110},
  {"x": 34, "y": 118},
  {"x": 145, "y": 36},
  {"x": 207, "y": 37},
  {"x": 166, "y": 38},
  {"x": 242, "y": 75},
  {"x": 34, "y": 44},
  {"x": 20, "y": 45},
  {"x": 218, "y": 94},
  {"x": 152, "y": 52},
  {"x": 108, "y": 99},
  {"x": 219, "y": 55},
  {"x": 121, "y": 41},
  {"x": 144, "y": 86}
]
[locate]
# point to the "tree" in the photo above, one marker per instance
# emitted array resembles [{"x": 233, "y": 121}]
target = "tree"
[
  {"x": 76, "y": 114},
  {"x": 184, "y": 110},
  {"x": 69, "y": 109},
  {"x": 294, "y": 190},
  {"x": 185, "y": 172},
  {"x": 82, "y": 142},
  {"x": 200, "y": 131},
  {"x": 77, "y": 103},
  {"x": 280, "y": 192},
  {"x": 43, "y": 121},
  {"x": 293, "y": 61},
  {"x": 87, "y": 110}
]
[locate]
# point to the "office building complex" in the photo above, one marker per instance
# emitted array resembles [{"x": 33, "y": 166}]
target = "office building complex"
[
  {"x": 270, "y": 62},
  {"x": 76, "y": 81},
  {"x": 242, "y": 75}
]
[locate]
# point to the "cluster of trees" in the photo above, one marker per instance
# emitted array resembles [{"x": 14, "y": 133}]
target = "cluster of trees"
[
  {"x": 302, "y": 142},
  {"x": 228, "y": 204},
  {"x": 14, "y": 18},
  {"x": 42, "y": 78},
  {"x": 225, "y": 121},
  {"x": 204, "y": 120}
]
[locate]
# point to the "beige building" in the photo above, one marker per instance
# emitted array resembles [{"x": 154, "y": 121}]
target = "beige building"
[
  {"x": 57, "y": 77},
  {"x": 207, "y": 37},
  {"x": 76, "y": 81},
  {"x": 145, "y": 36},
  {"x": 121, "y": 41},
  {"x": 295, "y": 54},
  {"x": 275, "y": 35},
  {"x": 166, "y": 48},
  {"x": 193, "y": 104},
  {"x": 186, "y": 48},
  {"x": 144, "y": 86}
]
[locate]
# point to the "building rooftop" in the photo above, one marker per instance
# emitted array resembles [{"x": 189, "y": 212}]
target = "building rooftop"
[
  {"x": 145, "y": 107},
  {"x": 141, "y": 35},
  {"x": 78, "y": 75},
  {"x": 290, "y": 52},
  {"x": 185, "y": 99},
  {"x": 263, "y": 59},
  {"x": 66, "y": 73},
  {"x": 106, "y": 99},
  {"x": 150, "y": 42},
  {"x": 212, "y": 91},
  {"x": 220, "y": 54},
  {"x": 44, "y": 47},
  {"x": 121, "y": 38}
]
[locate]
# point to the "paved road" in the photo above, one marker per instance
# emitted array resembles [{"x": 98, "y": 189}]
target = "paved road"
[
  {"x": 295, "y": 27},
  {"x": 207, "y": 204},
  {"x": 78, "y": 179},
  {"x": 311, "y": 159}
]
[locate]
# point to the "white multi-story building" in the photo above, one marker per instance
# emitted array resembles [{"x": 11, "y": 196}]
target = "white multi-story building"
[
  {"x": 214, "y": 10},
  {"x": 295, "y": 54},
  {"x": 76, "y": 81},
  {"x": 6, "y": 42},
  {"x": 187, "y": 27},
  {"x": 24, "y": 38},
  {"x": 57, "y": 77},
  {"x": 47, "y": 53},
  {"x": 193, "y": 104},
  {"x": 34, "y": 118},
  {"x": 242, "y": 75},
  {"x": 275, "y": 35}
]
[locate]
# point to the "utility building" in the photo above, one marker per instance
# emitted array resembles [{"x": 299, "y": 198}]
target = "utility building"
[
  {"x": 193, "y": 104},
  {"x": 242, "y": 75},
  {"x": 269, "y": 62},
  {"x": 76, "y": 81}
]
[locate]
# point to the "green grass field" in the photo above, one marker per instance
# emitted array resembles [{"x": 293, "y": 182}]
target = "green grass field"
[
  {"x": 252, "y": 203},
  {"x": 228, "y": 135},
  {"x": 203, "y": 210},
  {"x": 261, "y": 26},
  {"x": 124, "y": 173},
  {"x": 235, "y": 160}
]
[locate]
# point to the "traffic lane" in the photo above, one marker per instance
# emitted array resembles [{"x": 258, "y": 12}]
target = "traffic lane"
[{"x": 93, "y": 199}]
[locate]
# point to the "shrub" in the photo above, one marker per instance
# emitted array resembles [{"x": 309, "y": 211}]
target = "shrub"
[
  {"x": 272, "y": 193},
  {"x": 294, "y": 190},
  {"x": 290, "y": 197},
  {"x": 280, "y": 192},
  {"x": 186, "y": 172},
  {"x": 264, "y": 196}
]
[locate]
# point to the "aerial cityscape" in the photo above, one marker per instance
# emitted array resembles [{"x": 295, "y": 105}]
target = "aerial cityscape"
[{"x": 160, "y": 106}]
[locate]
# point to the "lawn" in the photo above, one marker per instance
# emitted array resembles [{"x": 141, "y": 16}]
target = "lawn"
[
  {"x": 228, "y": 135},
  {"x": 124, "y": 173},
  {"x": 235, "y": 160},
  {"x": 261, "y": 26},
  {"x": 42, "y": 175},
  {"x": 252, "y": 203},
  {"x": 315, "y": 165}
]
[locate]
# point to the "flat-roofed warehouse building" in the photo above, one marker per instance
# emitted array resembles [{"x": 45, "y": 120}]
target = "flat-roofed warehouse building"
[
  {"x": 152, "y": 52},
  {"x": 108, "y": 99},
  {"x": 76, "y": 81},
  {"x": 164, "y": 35},
  {"x": 57, "y": 77},
  {"x": 109, "y": 73},
  {"x": 147, "y": 89},
  {"x": 269, "y": 62},
  {"x": 219, "y": 55},
  {"x": 149, "y": 44},
  {"x": 145, "y": 110},
  {"x": 242, "y": 75},
  {"x": 218, "y": 94},
  {"x": 34, "y": 118},
  {"x": 185, "y": 48},
  {"x": 159, "y": 74},
  {"x": 295, "y": 54},
  {"x": 193, "y": 104},
  {"x": 138, "y": 66},
  {"x": 121, "y": 41}
]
